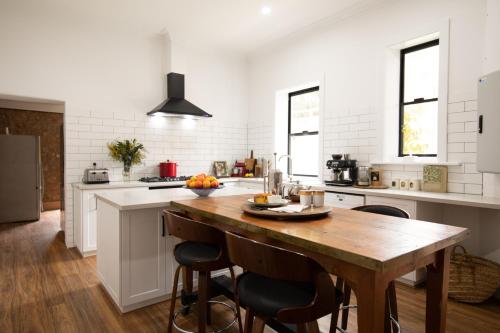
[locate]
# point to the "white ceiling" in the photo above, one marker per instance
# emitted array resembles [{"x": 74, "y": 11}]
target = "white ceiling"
[{"x": 232, "y": 24}]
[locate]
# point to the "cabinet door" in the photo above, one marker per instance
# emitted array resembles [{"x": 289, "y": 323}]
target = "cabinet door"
[
  {"x": 89, "y": 212},
  {"x": 143, "y": 252},
  {"x": 343, "y": 200}
]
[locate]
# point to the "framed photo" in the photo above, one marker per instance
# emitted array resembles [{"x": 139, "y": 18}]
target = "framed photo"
[{"x": 220, "y": 169}]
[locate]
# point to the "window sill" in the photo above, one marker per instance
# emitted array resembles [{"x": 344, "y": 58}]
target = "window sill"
[{"x": 416, "y": 161}]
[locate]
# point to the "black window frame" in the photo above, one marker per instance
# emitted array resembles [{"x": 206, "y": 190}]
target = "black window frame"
[
  {"x": 402, "y": 102},
  {"x": 290, "y": 134}
]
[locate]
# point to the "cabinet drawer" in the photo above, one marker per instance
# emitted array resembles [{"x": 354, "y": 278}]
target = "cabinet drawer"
[
  {"x": 408, "y": 206},
  {"x": 343, "y": 200}
]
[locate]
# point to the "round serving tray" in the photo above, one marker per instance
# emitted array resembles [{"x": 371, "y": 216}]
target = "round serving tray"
[{"x": 308, "y": 213}]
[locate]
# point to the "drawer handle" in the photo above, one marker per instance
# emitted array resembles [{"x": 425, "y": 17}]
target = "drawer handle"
[{"x": 163, "y": 226}]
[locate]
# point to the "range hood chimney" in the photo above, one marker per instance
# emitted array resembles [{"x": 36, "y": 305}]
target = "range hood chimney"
[{"x": 175, "y": 105}]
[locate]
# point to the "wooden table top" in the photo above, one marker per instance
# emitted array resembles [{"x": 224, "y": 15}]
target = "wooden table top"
[{"x": 373, "y": 241}]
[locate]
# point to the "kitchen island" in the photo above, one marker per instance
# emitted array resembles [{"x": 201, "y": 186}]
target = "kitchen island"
[{"x": 135, "y": 262}]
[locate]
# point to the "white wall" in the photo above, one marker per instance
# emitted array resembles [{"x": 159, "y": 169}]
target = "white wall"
[
  {"x": 351, "y": 56},
  {"x": 109, "y": 75}
]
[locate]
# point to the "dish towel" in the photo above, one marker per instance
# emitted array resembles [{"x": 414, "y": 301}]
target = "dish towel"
[{"x": 289, "y": 209}]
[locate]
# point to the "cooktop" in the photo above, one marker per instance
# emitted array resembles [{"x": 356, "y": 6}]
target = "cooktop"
[{"x": 164, "y": 179}]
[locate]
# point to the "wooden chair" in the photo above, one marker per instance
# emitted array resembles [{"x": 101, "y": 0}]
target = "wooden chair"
[
  {"x": 391, "y": 307},
  {"x": 281, "y": 284},
  {"x": 204, "y": 250}
]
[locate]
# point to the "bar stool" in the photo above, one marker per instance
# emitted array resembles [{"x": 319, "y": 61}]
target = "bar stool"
[
  {"x": 391, "y": 306},
  {"x": 280, "y": 284},
  {"x": 204, "y": 250}
]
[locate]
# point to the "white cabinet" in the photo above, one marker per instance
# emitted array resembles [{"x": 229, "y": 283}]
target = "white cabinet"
[
  {"x": 144, "y": 249},
  {"x": 343, "y": 200},
  {"x": 134, "y": 256},
  {"x": 84, "y": 217},
  {"x": 409, "y": 206}
]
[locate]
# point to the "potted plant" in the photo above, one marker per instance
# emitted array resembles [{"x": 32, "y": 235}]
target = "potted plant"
[{"x": 129, "y": 152}]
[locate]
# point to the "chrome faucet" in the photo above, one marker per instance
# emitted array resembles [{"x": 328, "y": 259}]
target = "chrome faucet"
[{"x": 290, "y": 168}]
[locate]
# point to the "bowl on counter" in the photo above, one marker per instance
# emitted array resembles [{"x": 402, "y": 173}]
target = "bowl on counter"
[{"x": 203, "y": 192}]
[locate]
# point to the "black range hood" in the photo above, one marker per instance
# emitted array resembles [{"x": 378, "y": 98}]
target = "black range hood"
[{"x": 175, "y": 105}]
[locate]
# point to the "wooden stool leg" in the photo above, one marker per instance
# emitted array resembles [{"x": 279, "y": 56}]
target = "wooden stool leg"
[
  {"x": 187, "y": 280},
  {"x": 202, "y": 302},
  {"x": 258, "y": 325},
  {"x": 393, "y": 304},
  {"x": 236, "y": 299},
  {"x": 312, "y": 327},
  {"x": 387, "y": 319},
  {"x": 249, "y": 317},
  {"x": 347, "y": 300},
  {"x": 339, "y": 284},
  {"x": 208, "y": 293},
  {"x": 173, "y": 298}
]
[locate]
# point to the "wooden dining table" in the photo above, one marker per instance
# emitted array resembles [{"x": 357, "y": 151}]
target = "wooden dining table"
[{"x": 367, "y": 250}]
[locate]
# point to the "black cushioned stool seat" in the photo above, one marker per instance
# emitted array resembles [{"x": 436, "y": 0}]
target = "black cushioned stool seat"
[{"x": 188, "y": 252}]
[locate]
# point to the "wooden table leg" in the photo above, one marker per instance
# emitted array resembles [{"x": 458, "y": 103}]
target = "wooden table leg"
[
  {"x": 370, "y": 297},
  {"x": 437, "y": 292}
]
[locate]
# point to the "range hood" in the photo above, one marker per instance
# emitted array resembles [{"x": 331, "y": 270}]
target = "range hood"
[{"x": 175, "y": 105}]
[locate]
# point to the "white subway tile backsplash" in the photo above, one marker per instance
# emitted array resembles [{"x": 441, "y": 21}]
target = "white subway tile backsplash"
[
  {"x": 456, "y": 188},
  {"x": 462, "y": 116},
  {"x": 471, "y": 126},
  {"x": 456, "y": 147},
  {"x": 456, "y": 107},
  {"x": 462, "y": 137},
  {"x": 470, "y": 147},
  {"x": 473, "y": 189},
  {"x": 470, "y": 105},
  {"x": 456, "y": 127}
]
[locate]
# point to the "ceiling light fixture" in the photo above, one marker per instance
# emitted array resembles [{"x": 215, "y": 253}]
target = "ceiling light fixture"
[{"x": 266, "y": 10}]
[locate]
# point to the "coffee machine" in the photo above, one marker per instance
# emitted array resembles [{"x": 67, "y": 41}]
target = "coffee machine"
[{"x": 344, "y": 170}]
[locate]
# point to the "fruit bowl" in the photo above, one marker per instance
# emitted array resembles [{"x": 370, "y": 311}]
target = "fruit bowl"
[{"x": 203, "y": 192}]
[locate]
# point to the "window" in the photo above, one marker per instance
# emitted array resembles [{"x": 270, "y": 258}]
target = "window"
[
  {"x": 418, "y": 100},
  {"x": 303, "y": 129}
]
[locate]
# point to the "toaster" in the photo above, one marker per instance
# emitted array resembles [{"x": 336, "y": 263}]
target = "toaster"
[{"x": 96, "y": 175}]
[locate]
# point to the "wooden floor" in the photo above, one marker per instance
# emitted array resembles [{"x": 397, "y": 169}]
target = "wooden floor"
[{"x": 44, "y": 287}]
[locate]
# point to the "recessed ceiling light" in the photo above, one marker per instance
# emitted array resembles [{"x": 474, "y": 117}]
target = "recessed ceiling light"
[{"x": 266, "y": 10}]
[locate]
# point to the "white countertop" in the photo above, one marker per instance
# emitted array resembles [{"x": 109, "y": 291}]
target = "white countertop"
[
  {"x": 471, "y": 200},
  {"x": 136, "y": 183},
  {"x": 128, "y": 200},
  {"x": 445, "y": 198}
]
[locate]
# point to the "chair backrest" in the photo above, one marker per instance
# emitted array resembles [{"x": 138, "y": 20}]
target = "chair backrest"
[
  {"x": 270, "y": 261},
  {"x": 383, "y": 210},
  {"x": 187, "y": 229}
]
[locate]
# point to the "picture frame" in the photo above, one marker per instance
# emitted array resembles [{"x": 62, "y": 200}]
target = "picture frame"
[{"x": 220, "y": 169}]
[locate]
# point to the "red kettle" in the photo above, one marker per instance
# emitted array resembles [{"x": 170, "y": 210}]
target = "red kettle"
[{"x": 168, "y": 169}]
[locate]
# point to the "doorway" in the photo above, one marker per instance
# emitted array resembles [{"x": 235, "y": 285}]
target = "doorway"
[{"x": 49, "y": 127}]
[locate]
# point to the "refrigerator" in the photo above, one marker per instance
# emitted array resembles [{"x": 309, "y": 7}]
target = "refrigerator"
[
  {"x": 488, "y": 137},
  {"x": 20, "y": 178}
]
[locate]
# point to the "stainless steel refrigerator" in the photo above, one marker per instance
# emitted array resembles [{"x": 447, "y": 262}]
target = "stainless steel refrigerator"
[{"x": 20, "y": 178}]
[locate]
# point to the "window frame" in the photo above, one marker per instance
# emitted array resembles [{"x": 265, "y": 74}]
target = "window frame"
[
  {"x": 304, "y": 133},
  {"x": 421, "y": 100}
]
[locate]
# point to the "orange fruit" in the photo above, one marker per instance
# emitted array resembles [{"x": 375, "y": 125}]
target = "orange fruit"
[
  {"x": 214, "y": 184},
  {"x": 198, "y": 184},
  {"x": 206, "y": 184}
]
